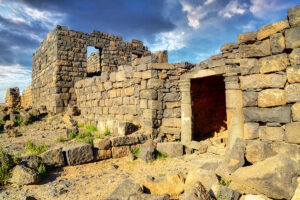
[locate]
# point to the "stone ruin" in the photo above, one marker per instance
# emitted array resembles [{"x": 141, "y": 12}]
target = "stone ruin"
[{"x": 251, "y": 88}]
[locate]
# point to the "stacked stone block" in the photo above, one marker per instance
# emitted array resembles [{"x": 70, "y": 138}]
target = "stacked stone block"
[
  {"x": 61, "y": 60},
  {"x": 12, "y": 98},
  {"x": 26, "y": 98},
  {"x": 93, "y": 63}
]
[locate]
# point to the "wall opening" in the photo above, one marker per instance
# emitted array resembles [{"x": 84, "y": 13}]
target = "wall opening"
[
  {"x": 93, "y": 61},
  {"x": 208, "y": 106}
]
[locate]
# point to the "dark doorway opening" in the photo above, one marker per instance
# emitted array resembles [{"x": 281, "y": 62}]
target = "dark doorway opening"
[{"x": 209, "y": 106}]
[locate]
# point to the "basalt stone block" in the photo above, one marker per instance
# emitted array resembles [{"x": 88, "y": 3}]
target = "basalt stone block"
[
  {"x": 292, "y": 38},
  {"x": 102, "y": 144},
  {"x": 124, "y": 140},
  {"x": 295, "y": 57},
  {"x": 22, "y": 175},
  {"x": 119, "y": 152},
  {"x": 267, "y": 30},
  {"x": 249, "y": 66},
  {"x": 277, "y": 43},
  {"x": 255, "y": 50},
  {"x": 280, "y": 114},
  {"x": 292, "y": 134},
  {"x": 274, "y": 63},
  {"x": 294, "y": 16},
  {"x": 78, "y": 153},
  {"x": 271, "y": 97},
  {"x": 292, "y": 92},
  {"x": 250, "y": 99},
  {"x": 259, "y": 81},
  {"x": 293, "y": 74},
  {"x": 102, "y": 154},
  {"x": 53, "y": 157},
  {"x": 171, "y": 149},
  {"x": 247, "y": 38}
]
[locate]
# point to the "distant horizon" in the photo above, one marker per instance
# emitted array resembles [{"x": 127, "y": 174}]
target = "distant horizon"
[{"x": 191, "y": 30}]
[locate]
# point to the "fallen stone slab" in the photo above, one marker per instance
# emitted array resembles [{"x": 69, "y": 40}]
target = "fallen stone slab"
[
  {"x": 22, "y": 175},
  {"x": 124, "y": 190},
  {"x": 171, "y": 149},
  {"x": 207, "y": 177},
  {"x": 78, "y": 153},
  {"x": 195, "y": 192},
  {"x": 147, "y": 151},
  {"x": 53, "y": 157},
  {"x": 275, "y": 177}
]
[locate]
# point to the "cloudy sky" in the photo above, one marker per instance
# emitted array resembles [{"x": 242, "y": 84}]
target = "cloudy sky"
[{"x": 191, "y": 30}]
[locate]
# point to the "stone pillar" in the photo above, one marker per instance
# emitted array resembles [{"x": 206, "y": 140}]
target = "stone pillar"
[{"x": 186, "y": 111}]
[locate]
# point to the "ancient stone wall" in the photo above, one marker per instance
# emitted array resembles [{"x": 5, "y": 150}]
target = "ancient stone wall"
[
  {"x": 26, "y": 98},
  {"x": 12, "y": 98},
  {"x": 93, "y": 63},
  {"x": 61, "y": 60}
]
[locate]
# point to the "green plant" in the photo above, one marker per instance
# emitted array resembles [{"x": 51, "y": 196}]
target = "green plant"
[
  {"x": 32, "y": 118},
  {"x": 91, "y": 127},
  {"x": 135, "y": 151},
  {"x": 221, "y": 197},
  {"x": 18, "y": 121},
  {"x": 98, "y": 136},
  {"x": 86, "y": 136},
  {"x": 106, "y": 131},
  {"x": 161, "y": 155},
  {"x": 1, "y": 125},
  {"x": 161, "y": 175},
  {"x": 16, "y": 110},
  {"x": 4, "y": 168},
  {"x": 72, "y": 135},
  {"x": 225, "y": 182},
  {"x": 42, "y": 170},
  {"x": 89, "y": 140},
  {"x": 35, "y": 149},
  {"x": 80, "y": 125},
  {"x": 61, "y": 139},
  {"x": 17, "y": 134}
]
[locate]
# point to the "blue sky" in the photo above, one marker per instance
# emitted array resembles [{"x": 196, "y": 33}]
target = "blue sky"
[{"x": 191, "y": 30}]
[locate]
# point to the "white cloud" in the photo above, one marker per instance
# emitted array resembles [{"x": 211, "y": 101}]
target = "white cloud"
[
  {"x": 173, "y": 40},
  {"x": 13, "y": 76},
  {"x": 233, "y": 8},
  {"x": 251, "y": 26},
  {"x": 267, "y": 8},
  {"x": 207, "y": 2},
  {"x": 194, "y": 13}
]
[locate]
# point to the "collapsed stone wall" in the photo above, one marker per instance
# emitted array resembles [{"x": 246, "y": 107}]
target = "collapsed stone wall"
[
  {"x": 26, "y": 98},
  {"x": 145, "y": 93},
  {"x": 61, "y": 60},
  {"x": 12, "y": 98}
]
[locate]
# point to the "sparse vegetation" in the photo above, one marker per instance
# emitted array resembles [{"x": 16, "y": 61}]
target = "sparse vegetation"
[
  {"x": 135, "y": 151},
  {"x": 106, "y": 131},
  {"x": 161, "y": 155},
  {"x": 225, "y": 182},
  {"x": 98, "y": 136},
  {"x": 32, "y": 118},
  {"x": 91, "y": 127},
  {"x": 1, "y": 125},
  {"x": 72, "y": 135},
  {"x": 42, "y": 170},
  {"x": 221, "y": 197},
  {"x": 32, "y": 148},
  {"x": 16, "y": 110},
  {"x": 61, "y": 139},
  {"x": 4, "y": 168},
  {"x": 18, "y": 121},
  {"x": 80, "y": 125},
  {"x": 86, "y": 136},
  {"x": 16, "y": 134}
]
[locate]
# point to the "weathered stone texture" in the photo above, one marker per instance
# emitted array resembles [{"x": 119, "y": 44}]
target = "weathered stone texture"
[
  {"x": 12, "y": 98},
  {"x": 277, "y": 43},
  {"x": 247, "y": 38},
  {"x": 256, "y": 81},
  {"x": 26, "y": 98},
  {"x": 249, "y": 66},
  {"x": 266, "y": 31},
  {"x": 292, "y": 133},
  {"x": 292, "y": 38},
  {"x": 295, "y": 57},
  {"x": 293, "y": 74},
  {"x": 255, "y": 50},
  {"x": 273, "y": 63},
  {"x": 271, "y": 97},
  {"x": 271, "y": 133},
  {"x": 296, "y": 112},
  {"x": 280, "y": 114},
  {"x": 294, "y": 16},
  {"x": 292, "y": 92}
]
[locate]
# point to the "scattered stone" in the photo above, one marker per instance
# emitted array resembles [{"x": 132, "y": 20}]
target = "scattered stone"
[
  {"x": 223, "y": 192},
  {"x": 150, "y": 197},
  {"x": 147, "y": 151},
  {"x": 102, "y": 144},
  {"x": 22, "y": 175},
  {"x": 125, "y": 190},
  {"x": 171, "y": 149},
  {"x": 53, "y": 157},
  {"x": 207, "y": 177},
  {"x": 196, "y": 192},
  {"x": 254, "y": 197},
  {"x": 31, "y": 161},
  {"x": 257, "y": 151},
  {"x": 78, "y": 153},
  {"x": 276, "y": 178},
  {"x": 294, "y": 16},
  {"x": 267, "y": 30},
  {"x": 119, "y": 152}
]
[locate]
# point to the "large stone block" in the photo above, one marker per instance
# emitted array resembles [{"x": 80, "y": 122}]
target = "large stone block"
[
  {"x": 124, "y": 140},
  {"x": 292, "y": 38},
  {"x": 119, "y": 152},
  {"x": 102, "y": 144},
  {"x": 101, "y": 154},
  {"x": 280, "y": 114},
  {"x": 293, "y": 74},
  {"x": 247, "y": 38},
  {"x": 288, "y": 150},
  {"x": 249, "y": 66},
  {"x": 171, "y": 97},
  {"x": 273, "y": 63},
  {"x": 22, "y": 175},
  {"x": 292, "y": 92},
  {"x": 277, "y": 43},
  {"x": 295, "y": 57},
  {"x": 257, "y": 151},
  {"x": 171, "y": 149},
  {"x": 250, "y": 98},
  {"x": 171, "y": 122},
  {"x": 255, "y": 50},
  {"x": 78, "y": 153},
  {"x": 251, "y": 131},
  {"x": 267, "y": 30},
  {"x": 294, "y": 16},
  {"x": 271, "y": 133},
  {"x": 147, "y": 151},
  {"x": 258, "y": 81},
  {"x": 148, "y": 94},
  {"x": 296, "y": 112},
  {"x": 229, "y": 46},
  {"x": 292, "y": 133},
  {"x": 277, "y": 178},
  {"x": 271, "y": 97},
  {"x": 53, "y": 157}
]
